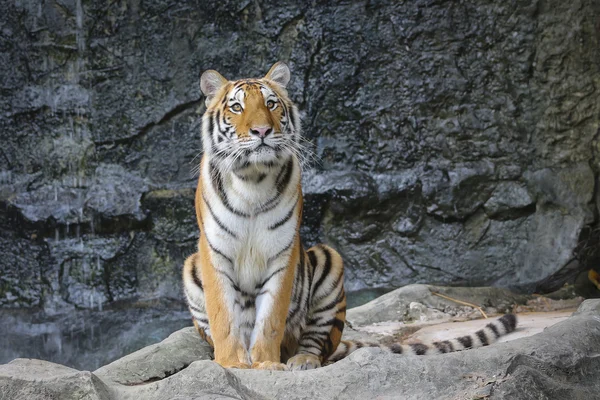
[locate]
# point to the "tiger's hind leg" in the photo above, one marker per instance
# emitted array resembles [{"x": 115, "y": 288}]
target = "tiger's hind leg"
[
  {"x": 326, "y": 312},
  {"x": 194, "y": 295}
]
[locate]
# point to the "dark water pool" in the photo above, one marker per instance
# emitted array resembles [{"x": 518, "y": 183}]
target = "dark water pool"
[{"x": 87, "y": 340}]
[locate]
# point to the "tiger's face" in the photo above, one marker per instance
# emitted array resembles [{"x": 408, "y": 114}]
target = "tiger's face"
[{"x": 250, "y": 123}]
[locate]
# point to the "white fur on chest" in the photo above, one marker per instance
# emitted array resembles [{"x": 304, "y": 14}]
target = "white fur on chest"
[{"x": 255, "y": 242}]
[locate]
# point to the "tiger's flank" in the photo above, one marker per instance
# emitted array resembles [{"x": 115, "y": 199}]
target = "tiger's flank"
[{"x": 254, "y": 293}]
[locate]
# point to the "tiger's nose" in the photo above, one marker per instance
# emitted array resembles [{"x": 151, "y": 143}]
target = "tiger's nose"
[{"x": 261, "y": 131}]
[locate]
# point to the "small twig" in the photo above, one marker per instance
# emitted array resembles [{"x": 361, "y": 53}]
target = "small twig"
[{"x": 464, "y": 303}]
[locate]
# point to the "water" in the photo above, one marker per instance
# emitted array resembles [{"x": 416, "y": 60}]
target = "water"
[
  {"x": 360, "y": 297},
  {"x": 89, "y": 339}
]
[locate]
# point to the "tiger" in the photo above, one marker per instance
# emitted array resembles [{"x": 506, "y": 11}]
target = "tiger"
[{"x": 255, "y": 294}]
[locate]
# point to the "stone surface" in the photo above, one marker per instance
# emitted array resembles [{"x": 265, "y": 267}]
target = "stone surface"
[
  {"x": 456, "y": 142},
  {"x": 37, "y": 379},
  {"x": 558, "y": 362},
  {"x": 396, "y": 305},
  {"x": 158, "y": 361}
]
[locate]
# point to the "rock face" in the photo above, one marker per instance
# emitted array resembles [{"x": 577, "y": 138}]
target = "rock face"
[
  {"x": 560, "y": 362},
  {"x": 456, "y": 141}
]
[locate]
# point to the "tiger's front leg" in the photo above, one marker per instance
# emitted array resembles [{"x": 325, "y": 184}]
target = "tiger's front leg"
[
  {"x": 272, "y": 305},
  {"x": 230, "y": 351}
]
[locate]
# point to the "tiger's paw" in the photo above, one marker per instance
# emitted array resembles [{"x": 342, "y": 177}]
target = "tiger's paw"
[
  {"x": 302, "y": 362},
  {"x": 269, "y": 365},
  {"x": 235, "y": 364}
]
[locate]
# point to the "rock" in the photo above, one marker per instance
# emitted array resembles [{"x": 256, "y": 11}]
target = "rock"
[
  {"x": 419, "y": 312},
  {"x": 37, "y": 379},
  {"x": 158, "y": 361},
  {"x": 455, "y": 144},
  {"x": 507, "y": 199},
  {"x": 396, "y": 305}
]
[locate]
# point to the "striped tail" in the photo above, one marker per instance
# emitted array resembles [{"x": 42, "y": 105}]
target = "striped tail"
[{"x": 483, "y": 337}]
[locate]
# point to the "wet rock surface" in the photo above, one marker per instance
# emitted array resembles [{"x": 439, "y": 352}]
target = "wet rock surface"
[
  {"x": 558, "y": 362},
  {"x": 456, "y": 141}
]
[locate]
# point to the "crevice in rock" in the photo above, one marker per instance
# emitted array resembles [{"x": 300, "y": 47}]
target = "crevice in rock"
[
  {"x": 47, "y": 228},
  {"x": 514, "y": 213},
  {"x": 146, "y": 128},
  {"x": 309, "y": 71},
  {"x": 167, "y": 374}
]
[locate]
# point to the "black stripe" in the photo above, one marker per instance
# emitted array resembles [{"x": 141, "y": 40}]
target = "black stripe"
[
  {"x": 286, "y": 218},
  {"x": 317, "y": 343},
  {"x": 396, "y": 348},
  {"x": 494, "y": 329},
  {"x": 285, "y": 179},
  {"x": 281, "y": 182},
  {"x": 233, "y": 284},
  {"x": 211, "y": 125},
  {"x": 284, "y": 108},
  {"x": 193, "y": 307},
  {"x": 466, "y": 341},
  {"x": 218, "y": 180},
  {"x": 197, "y": 280},
  {"x": 509, "y": 321},
  {"x": 326, "y": 271},
  {"x": 264, "y": 282},
  {"x": 312, "y": 333},
  {"x": 248, "y": 303},
  {"x": 315, "y": 322},
  {"x": 336, "y": 301},
  {"x": 482, "y": 337},
  {"x": 217, "y": 220},
  {"x": 327, "y": 347},
  {"x": 312, "y": 258},
  {"x": 440, "y": 346},
  {"x": 338, "y": 323},
  {"x": 280, "y": 252},
  {"x": 219, "y": 252},
  {"x": 419, "y": 349},
  {"x": 449, "y": 345}
]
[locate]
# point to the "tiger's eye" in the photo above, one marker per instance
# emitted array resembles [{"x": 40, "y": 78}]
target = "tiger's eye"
[
  {"x": 236, "y": 107},
  {"x": 270, "y": 104}
]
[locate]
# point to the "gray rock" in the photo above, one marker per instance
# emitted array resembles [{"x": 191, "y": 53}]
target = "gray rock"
[
  {"x": 508, "y": 198},
  {"x": 396, "y": 305},
  {"x": 37, "y": 379},
  {"x": 158, "y": 361}
]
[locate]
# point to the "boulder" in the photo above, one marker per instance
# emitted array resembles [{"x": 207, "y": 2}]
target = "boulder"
[{"x": 37, "y": 379}]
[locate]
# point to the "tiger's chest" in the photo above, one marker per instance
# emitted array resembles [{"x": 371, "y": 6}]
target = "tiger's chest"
[{"x": 253, "y": 245}]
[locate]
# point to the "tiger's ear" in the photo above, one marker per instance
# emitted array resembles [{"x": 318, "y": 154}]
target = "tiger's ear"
[
  {"x": 210, "y": 83},
  {"x": 279, "y": 73}
]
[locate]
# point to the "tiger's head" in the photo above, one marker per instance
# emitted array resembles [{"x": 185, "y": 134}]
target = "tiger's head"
[{"x": 249, "y": 123}]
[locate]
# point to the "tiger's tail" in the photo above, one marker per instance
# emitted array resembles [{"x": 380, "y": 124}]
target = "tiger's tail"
[{"x": 483, "y": 337}]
